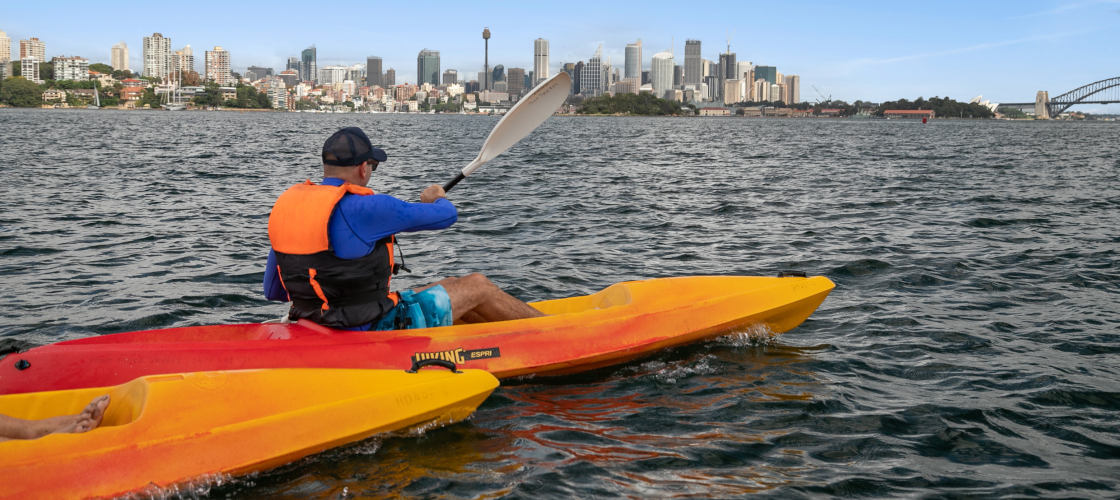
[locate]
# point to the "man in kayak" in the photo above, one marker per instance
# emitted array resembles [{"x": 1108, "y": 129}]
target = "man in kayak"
[
  {"x": 89, "y": 418},
  {"x": 333, "y": 244}
]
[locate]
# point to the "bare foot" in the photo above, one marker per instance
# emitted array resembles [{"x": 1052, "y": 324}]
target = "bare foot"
[{"x": 90, "y": 417}]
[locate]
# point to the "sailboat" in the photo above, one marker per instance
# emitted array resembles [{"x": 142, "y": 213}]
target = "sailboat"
[
  {"x": 175, "y": 97},
  {"x": 96, "y": 98}
]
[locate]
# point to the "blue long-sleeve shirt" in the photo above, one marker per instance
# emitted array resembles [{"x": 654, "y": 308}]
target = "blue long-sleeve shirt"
[{"x": 359, "y": 221}]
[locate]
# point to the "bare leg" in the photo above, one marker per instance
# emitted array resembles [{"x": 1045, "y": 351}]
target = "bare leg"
[
  {"x": 89, "y": 418},
  {"x": 475, "y": 299}
]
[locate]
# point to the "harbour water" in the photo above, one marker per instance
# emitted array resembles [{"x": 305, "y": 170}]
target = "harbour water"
[{"x": 970, "y": 348}]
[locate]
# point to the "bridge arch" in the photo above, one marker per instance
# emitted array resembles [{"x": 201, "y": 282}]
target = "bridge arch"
[{"x": 1063, "y": 102}]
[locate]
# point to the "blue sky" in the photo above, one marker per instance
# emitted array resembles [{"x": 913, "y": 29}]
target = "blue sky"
[{"x": 871, "y": 50}]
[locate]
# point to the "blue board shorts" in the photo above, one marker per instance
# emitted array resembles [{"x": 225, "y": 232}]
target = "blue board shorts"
[{"x": 427, "y": 309}]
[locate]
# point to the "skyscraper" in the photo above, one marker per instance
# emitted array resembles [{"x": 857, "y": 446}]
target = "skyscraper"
[
  {"x": 486, "y": 58},
  {"x": 293, "y": 64},
  {"x": 373, "y": 71},
  {"x": 217, "y": 66},
  {"x": 450, "y": 76},
  {"x": 793, "y": 89},
  {"x": 591, "y": 78},
  {"x": 309, "y": 65},
  {"x": 693, "y": 72},
  {"x": 540, "y": 60},
  {"x": 768, "y": 73},
  {"x": 118, "y": 56},
  {"x": 726, "y": 71},
  {"x": 498, "y": 75},
  {"x": 390, "y": 78},
  {"x": 157, "y": 56},
  {"x": 633, "y": 65},
  {"x": 427, "y": 67},
  {"x": 577, "y": 72},
  {"x": 661, "y": 73},
  {"x": 516, "y": 81}
]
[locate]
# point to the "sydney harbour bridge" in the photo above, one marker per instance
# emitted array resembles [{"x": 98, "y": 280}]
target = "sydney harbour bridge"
[{"x": 1105, "y": 91}]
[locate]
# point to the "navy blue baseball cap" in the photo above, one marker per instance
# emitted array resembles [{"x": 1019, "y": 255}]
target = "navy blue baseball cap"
[{"x": 349, "y": 147}]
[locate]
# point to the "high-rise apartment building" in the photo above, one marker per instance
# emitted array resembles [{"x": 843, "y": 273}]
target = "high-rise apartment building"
[
  {"x": 373, "y": 71},
  {"x": 768, "y": 73},
  {"x": 183, "y": 60},
  {"x": 217, "y": 66},
  {"x": 591, "y": 78},
  {"x": 118, "y": 56},
  {"x": 309, "y": 65},
  {"x": 5, "y": 47},
  {"x": 661, "y": 73},
  {"x": 29, "y": 68},
  {"x": 450, "y": 76},
  {"x": 33, "y": 48},
  {"x": 516, "y": 81},
  {"x": 632, "y": 68},
  {"x": 157, "y": 56},
  {"x": 693, "y": 71},
  {"x": 427, "y": 67},
  {"x": 390, "y": 78},
  {"x": 540, "y": 61},
  {"x": 71, "y": 68}
]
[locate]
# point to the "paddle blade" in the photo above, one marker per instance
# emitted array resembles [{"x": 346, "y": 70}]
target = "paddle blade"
[{"x": 524, "y": 117}]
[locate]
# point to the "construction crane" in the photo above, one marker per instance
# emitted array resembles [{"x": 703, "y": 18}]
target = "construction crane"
[{"x": 820, "y": 95}]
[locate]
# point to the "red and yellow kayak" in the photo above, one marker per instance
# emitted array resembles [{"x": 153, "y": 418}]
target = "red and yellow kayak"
[
  {"x": 165, "y": 430},
  {"x": 619, "y": 323}
]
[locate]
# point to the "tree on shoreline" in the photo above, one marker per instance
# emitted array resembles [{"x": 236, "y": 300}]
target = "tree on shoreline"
[
  {"x": 629, "y": 104},
  {"x": 944, "y": 107},
  {"x": 21, "y": 93}
]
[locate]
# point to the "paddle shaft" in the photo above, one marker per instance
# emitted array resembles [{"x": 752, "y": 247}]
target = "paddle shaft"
[{"x": 450, "y": 184}]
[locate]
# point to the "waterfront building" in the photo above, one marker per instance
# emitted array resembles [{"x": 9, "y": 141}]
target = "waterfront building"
[
  {"x": 427, "y": 67},
  {"x": 71, "y": 68},
  {"x": 309, "y": 65},
  {"x": 661, "y": 73},
  {"x": 390, "y": 78},
  {"x": 591, "y": 78},
  {"x": 373, "y": 71},
  {"x": 793, "y": 89},
  {"x": 29, "y": 68},
  {"x": 768, "y": 73},
  {"x": 450, "y": 76},
  {"x": 515, "y": 84},
  {"x": 157, "y": 56},
  {"x": 692, "y": 63},
  {"x": 118, "y": 56},
  {"x": 632, "y": 65},
  {"x": 217, "y": 66},
  {"x": 33, "y": 48},
  {"x": 540, "y": 61}
]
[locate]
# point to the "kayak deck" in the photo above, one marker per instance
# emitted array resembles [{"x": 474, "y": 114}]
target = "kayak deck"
[
  {"x": 168, "y": 429},
  {"x": 619, "y": 323}
]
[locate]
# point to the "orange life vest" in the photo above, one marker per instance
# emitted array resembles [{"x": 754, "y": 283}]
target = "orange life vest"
[{"x": 324, "y": 288}]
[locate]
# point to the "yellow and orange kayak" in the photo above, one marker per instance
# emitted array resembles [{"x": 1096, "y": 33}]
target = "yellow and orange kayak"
[
  {"x": 164, "y": 430},
  {"x": 619, "y": 323}
]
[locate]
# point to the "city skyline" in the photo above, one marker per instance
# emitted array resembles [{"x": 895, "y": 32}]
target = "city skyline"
[{"x": 1006, "y": 52}]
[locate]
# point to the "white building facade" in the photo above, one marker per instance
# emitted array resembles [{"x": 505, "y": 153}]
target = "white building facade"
[
  {"x": 540, "y": 61},
  {"x": 157, "y": 56},
  {"x": 118, "y": 56}
]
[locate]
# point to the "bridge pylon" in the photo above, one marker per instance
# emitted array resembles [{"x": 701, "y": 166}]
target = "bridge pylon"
[{"x": 1042, "y": 105}]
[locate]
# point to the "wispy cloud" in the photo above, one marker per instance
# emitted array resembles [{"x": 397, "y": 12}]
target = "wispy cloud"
[
  {"x": 973, "y": 48},
  {"x": 1062, "y": 9}
]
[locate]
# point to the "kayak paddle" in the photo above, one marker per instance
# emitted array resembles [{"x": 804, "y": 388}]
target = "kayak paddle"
[{"x": 524, "y": 117}]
